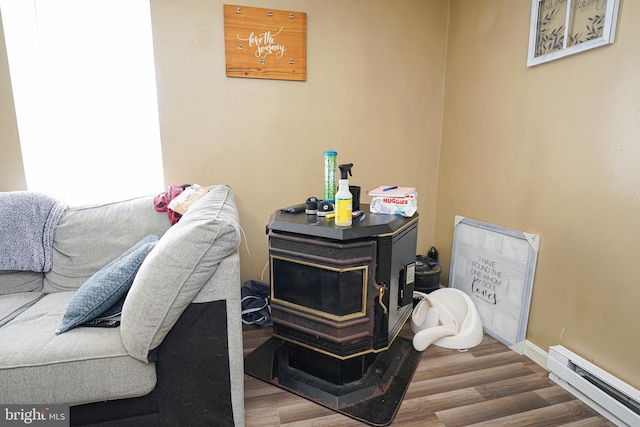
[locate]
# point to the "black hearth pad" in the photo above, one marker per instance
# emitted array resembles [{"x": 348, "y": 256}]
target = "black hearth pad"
[{"x": 374, "y": 399}]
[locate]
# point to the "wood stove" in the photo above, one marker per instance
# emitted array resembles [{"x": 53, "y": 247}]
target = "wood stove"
[
  {"x": 339, "y": 298},
  {"x": 342, "y": 298}
]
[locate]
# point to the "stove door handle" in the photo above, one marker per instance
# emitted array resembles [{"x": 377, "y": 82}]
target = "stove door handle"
[{"x": 381, "y": 291}]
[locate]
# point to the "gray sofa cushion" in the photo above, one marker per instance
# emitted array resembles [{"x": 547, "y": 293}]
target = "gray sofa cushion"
[
  {"x": 45, "y": 368},
  {"x": 12, "y": 305},
  {"x": 184, "y": 259},
  {"x": 12, "y": 282},
  {"x": 105, "y": 288},
  {"x": 77, "y": 257}
]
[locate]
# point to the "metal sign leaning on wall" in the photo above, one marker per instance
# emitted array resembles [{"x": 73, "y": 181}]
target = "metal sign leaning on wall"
[
  {"x": 495, "y": 266},
  {"x": 265, "y": 43}
]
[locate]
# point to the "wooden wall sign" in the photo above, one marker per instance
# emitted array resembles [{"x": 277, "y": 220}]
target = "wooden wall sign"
[{"x": 265, "y": 43}]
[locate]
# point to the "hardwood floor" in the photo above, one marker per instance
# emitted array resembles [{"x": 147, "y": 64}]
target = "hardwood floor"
[{"x": 489, "y": 385}]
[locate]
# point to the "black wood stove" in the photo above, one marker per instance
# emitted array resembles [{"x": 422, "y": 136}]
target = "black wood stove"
[{"x": 339, "y": 298}]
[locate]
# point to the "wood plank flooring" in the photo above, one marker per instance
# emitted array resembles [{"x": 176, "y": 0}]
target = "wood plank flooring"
[{"x": 489, "y": 385}]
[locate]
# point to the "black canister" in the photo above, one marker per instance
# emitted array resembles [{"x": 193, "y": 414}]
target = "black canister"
[{"x": 427, "y": 276}]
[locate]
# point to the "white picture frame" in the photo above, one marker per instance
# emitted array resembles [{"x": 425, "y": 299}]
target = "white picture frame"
[
  {"x": 564, "y": 27},
  {"x": 495, "y": 266}
]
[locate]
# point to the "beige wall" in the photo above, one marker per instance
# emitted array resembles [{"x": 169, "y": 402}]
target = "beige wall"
[
  {"x": 11, "y": 169},
  {"x": 552, "y": 150},
  {"x": 373, "y": 92}
]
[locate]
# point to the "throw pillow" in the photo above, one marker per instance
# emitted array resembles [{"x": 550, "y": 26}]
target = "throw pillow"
[
  {"x": 107, "y": 286},
  {"x": 186, "y": 258}
]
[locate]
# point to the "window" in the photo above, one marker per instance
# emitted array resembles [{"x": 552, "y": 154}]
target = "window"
[{"x": 83, "y": 80}]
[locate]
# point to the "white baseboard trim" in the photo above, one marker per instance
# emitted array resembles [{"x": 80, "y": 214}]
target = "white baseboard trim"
[
  {"x": 536, "y": 354},
  {"x": 532, "y": 351}
]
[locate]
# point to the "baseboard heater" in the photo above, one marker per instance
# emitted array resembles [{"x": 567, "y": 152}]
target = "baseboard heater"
[{"x": 610, "y": 396}]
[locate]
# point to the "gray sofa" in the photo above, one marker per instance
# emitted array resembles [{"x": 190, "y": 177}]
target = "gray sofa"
[{"x": 175, "y": 359}]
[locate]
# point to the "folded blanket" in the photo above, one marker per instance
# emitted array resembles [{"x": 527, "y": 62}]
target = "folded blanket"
[{"x": 27, "y": 224}]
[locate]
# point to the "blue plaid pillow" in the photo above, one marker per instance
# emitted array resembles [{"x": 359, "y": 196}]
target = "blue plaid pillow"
[{"x": 107, "y": 286}]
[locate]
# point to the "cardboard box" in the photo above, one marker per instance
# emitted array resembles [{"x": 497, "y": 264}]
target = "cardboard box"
[{"x": 189, "y": 196}]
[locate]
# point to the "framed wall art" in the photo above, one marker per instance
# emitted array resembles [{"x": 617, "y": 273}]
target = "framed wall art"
[
  {"x": 495, "y": 266},
  {"x": 563, "y": 27}
]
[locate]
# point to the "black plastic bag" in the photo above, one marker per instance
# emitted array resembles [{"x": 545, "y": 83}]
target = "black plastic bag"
[{"x": 255, "y": 303}]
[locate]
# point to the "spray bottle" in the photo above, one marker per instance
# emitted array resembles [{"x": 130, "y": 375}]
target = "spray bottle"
[{"x": 344, "y": 198}]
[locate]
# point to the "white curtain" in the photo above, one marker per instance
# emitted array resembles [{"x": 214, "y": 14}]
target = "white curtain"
[{"x": 83, "y": 80}]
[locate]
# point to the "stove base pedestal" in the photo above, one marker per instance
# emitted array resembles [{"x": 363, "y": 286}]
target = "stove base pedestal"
[{"x": 373, "y": 398}]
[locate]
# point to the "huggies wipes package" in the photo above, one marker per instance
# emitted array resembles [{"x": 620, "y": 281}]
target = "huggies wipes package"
[{"x": 394, "y": 200}]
